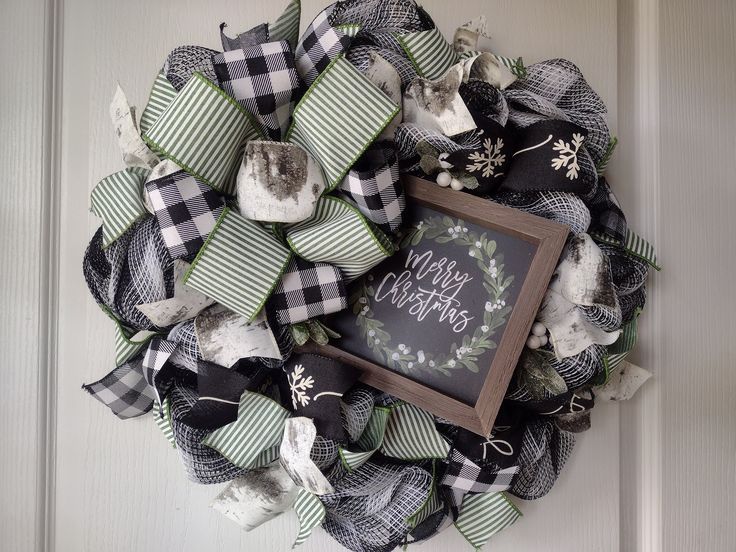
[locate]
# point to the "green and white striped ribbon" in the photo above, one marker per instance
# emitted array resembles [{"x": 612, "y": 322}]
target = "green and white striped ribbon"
[
  {"x": 621, "y": 348},
  {"x": 127, "y": 342},
  {"x": 203, "y": 131},
  {"x": 338, "y": 234},
  {"x": 286, "y": 27},
  {"x": 430, "y": 53},
  {"x": 627, "y": 339},
  {"x": 118, "y": 201},
  {"x": 432, "y": 505},
  {"x": 164, "y": 422},
  {"x": 412, "y": 435},
  {"x": 634, "y": 245},
  {"x": 349, "y": 29},
  {"x": 483, "y": 515},
  {"x": 259, "y": 428},
  {"x": 239, "y": 264},
  {"x": 340, "y": 115},
  {"x": 370, "y": 440},
  {"x": 162, "y": 94},
  {"x": 607, "y": 156},
  {"x": 611, "y": 362},
  {"x": 310, "y": 511},
  {"x": 515, "y": 65}
]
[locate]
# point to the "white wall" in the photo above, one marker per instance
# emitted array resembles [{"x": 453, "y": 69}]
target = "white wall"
[{"x": 24, "y": 158}]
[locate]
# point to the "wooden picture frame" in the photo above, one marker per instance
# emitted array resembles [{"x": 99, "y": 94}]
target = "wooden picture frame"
[{"x": 548, "y": 237}]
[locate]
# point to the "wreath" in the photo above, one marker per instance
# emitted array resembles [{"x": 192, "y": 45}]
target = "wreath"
[
  {"x": 465, "y": 355},
  {"x": 261, "y": 187}
]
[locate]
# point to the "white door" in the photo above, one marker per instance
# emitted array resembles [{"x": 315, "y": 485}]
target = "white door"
[{"x": 73, "y": 478}]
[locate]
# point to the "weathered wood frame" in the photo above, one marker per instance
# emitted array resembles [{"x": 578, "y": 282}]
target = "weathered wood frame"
[{"x": 549, "y": 239}]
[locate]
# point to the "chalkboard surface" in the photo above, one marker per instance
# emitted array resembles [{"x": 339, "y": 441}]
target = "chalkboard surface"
[{"x": 436, "y": 310}]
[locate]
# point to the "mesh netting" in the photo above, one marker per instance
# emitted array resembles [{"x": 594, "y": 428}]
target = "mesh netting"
[
  {"x": 134, "y": 269},
  {"x": 381, "y": 16},
  {"x": 184, "y": 61},
  {"x": 408, "y": 135},
  {"x": 486, "y": 99},
  {"x": 186, "y": 355},
  {"x": 368, "y": 510},
  {"x": 629, "y": 273},
  {"x": 544, "y": 451},
  {"x": 581, "y": 368},
  {"x": 631, "y": 303},
  {"x": 202, "y": 464},
  {"x": 360, "y": 57},
  {"x": 356, "y": 408},
  {"x": 324, "y": 452},
  {"x": 604, "y": 317},
  {"x": 556, "y": 89},
  {"x": 561, "y": 207}
]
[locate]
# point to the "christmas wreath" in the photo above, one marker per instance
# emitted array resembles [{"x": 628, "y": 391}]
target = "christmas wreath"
[{"x": 263, "y": 183}]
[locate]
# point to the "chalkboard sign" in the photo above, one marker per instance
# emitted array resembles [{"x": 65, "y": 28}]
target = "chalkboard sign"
[{"x": 443, "y": 321}]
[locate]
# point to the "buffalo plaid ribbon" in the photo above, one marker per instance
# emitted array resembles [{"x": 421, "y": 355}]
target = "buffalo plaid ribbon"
[
  {"x": 307, "y": 290},
  {"x": 607, "y": 217},
  {"x": 373, "y": 184},
  {"x": 157, "y": 373},
  {"x": 124, "y": 390},
  {"x": 263, "y": 79},
  {"x": 319, "y": 45},
  {"x": 465, "y": 476},
  {"x": 186, "y": 211}
]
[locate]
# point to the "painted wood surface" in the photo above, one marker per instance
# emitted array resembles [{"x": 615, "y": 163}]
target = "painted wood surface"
[
  {"x": 23, "y": 158},
  {"x": 120, "y": 486}
]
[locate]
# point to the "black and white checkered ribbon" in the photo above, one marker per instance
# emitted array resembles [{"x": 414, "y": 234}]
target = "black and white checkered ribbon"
[
  {"x": 124, "y": 390},
  {"x": 186, "y": 211},
  {"x": 465, "y": 476},
  {"x": 306, "y": 290},
  {"x": 319, "y": 45},
  {"x": 373, "y": 184},
  {"x": 264, "y": 80}
]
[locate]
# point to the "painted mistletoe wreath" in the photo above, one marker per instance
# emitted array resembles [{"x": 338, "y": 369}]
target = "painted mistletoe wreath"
[{"x": 262, "y": 184}]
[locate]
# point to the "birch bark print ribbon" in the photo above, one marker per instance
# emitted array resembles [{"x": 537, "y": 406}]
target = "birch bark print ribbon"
[{"x": 261, "y": 181}]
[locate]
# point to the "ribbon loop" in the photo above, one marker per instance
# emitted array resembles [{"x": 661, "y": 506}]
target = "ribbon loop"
[
  {"x": 203, "y": 130},
  {"x": 239, "y": 265},
  {"x": 358, "y": 112},
  {"x": 339, "y": 235},
  {"x": 117, "y": 200}
]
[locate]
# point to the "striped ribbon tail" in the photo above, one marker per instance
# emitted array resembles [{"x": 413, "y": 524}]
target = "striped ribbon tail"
[
  {"x": 338, "y": 234},
  {"x": 483, "y": 515},
  {"x": 310, "y": 511},
  {"x": 286, "y": 27},
  {"x": 430, "y": 53},
  {"x": 118, "y": 200},
  {"x": 162, "y": 94},
  {"x": 339, "y": 117},
  {"x": 128, "y": 342},
  {"x": 239, "y": 264},
  {"x": 412, "y": 435},
  {"x": 432, "y": 505},
  {"x": 248, "y": 441},
  {"x": 370, "y": 440},
  {"x": 203, "y": 131},
  {"x": 634, "y": 245},
  {"x": 618, "y": 352},
  {"x": 162, "y": 417}
]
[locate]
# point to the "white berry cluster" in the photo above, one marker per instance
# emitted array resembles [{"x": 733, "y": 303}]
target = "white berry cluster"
[
  {"x": 538, "y": 336},
  {"x": 498, "y": 305},
  {"x": 456, "y": 231}
]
